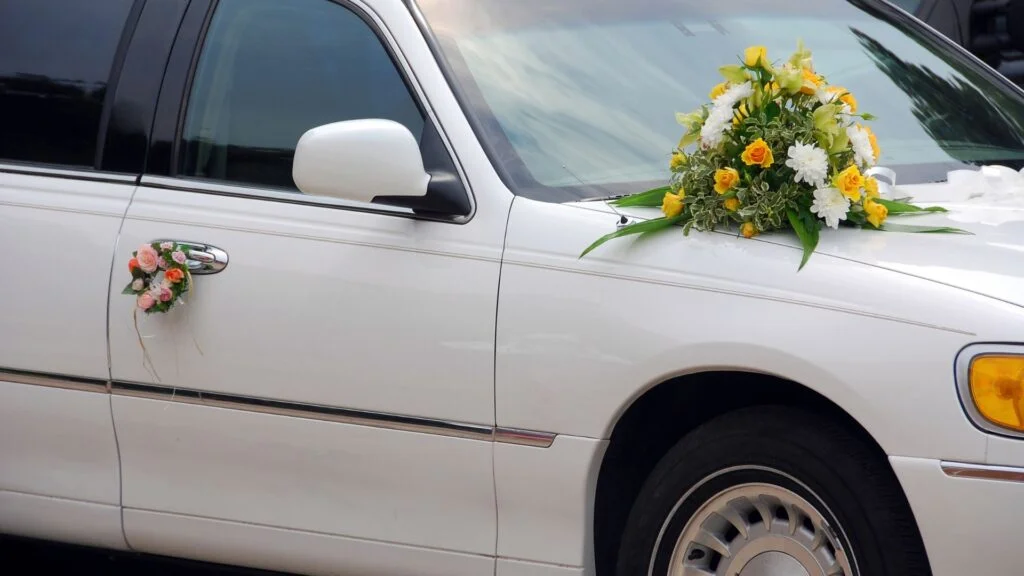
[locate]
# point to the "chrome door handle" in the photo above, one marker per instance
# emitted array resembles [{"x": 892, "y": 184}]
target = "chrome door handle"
[{"x": 202, "y": 258}]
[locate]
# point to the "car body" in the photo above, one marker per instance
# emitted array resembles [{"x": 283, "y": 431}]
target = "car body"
[{"x": 446, "y": 387}]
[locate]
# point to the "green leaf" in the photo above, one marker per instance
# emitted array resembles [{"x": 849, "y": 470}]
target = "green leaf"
[
  {"x": 650, "y": 198},
  {"x": 637, "y": 228},
  {"x": 128, "y": 290},
  {"x": 734, "y": 73},
  {"x": 895, "y": 207},
  {"x": 808, "y": 236},
  {"x": 922, "y": 229}
]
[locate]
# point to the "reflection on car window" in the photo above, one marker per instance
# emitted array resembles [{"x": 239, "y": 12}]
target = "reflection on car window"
[
  {"x": 55, "y": 59},
  {"x": 577, "y": 98},
  {"x": 271, "y": 70},
  {"x": 908, "y": 5}
]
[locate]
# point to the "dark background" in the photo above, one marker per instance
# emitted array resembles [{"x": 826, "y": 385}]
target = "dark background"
[{"x": 57, "y": 560}]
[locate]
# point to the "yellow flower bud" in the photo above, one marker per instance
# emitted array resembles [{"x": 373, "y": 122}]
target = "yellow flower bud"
[
  {"x": 748, "y": 230},
  {"x": 677, "y": 162},
  {"x": 672, "y": 204},
  {"x": 732, "y": 204},
  {"x": 871, "y": 187},
  {"x": 877, "y": 213},
  {"x": 756, "y": 56},
  {"x": 725, "y": 179}
]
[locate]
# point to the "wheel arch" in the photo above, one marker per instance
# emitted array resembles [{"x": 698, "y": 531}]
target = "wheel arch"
[{"x": 660, "y": 415}]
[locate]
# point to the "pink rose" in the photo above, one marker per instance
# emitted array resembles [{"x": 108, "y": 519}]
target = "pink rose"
[
  {"x": 148, "y": 258},
  {"x": 166, "y": 245},
  {"x": 165, "y": 293},
  {"x": 163, "y": 264},
  {"x": 178, "y": 256},
  {"x": 146, "y": 301}
]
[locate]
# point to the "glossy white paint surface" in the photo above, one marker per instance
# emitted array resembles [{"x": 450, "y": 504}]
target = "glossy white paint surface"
[
  {"x": 633, "y": 314},
  {"x": 359, "y": 160},
  {"x": 289, "y": 550},
  {"x": 61, "y": 520},
  {"x": 545, "y": 498},
  {"x": 369, "y": 483},
  {"x": 56, "y": 442},
  {"x": 58, "y": 236},
  {"x": 968, "y": 526}
]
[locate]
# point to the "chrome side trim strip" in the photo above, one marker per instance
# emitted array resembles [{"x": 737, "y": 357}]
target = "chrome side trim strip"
[
  {"x": 299, "y": 410},
  {"x": 285, "y": 408},
  {"x": 64, "y": 382},
  {"x": 983, "y": 472},
  {"x": 523, "y": 437},
  {"x": 91, "y": 175}
]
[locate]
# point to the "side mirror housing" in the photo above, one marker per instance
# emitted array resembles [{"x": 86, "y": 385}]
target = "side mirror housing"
[{"x": 360, "y": 160}]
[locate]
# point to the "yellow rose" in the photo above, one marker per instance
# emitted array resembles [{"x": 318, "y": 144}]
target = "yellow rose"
[
  {"x": 874, "y": 143},
  {"x": 725, "y": 179},
  {"x": 846, "y": 97},
  {"x": 718, "y": 90},
  {"x": 672, "y": 204},
  {"x": 748, "y": 230},
  {"x": 678, "y": 161},
  {"x": 758, "y": 153},
  {"x": 756, "y": 56},
  {"x": 871, "y": 187},
  {"x": 732, "y": 204},
  {"x": 811, "y": 82},
  {"x": 877, "y": 213},
  {"x": 849, "y": 182}
]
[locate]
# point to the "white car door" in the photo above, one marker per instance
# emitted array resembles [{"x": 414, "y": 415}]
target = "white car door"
[
  {"x": 324, "y": 401},
  {"x": 60, "y": 211}
]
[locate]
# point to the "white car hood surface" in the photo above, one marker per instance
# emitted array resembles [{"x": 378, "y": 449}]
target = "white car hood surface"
[{"x": 988, "y": 262}]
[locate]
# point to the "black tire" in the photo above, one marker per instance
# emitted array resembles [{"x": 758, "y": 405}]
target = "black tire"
[{"x": 834, "y": 470}]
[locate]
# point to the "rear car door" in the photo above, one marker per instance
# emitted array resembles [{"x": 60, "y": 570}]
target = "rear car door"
[
  {"x": 60, "y": 212},
  {"x": 323, "y": 402}
]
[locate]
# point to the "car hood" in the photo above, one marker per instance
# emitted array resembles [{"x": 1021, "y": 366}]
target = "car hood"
[{"x": 989, "y": 261}]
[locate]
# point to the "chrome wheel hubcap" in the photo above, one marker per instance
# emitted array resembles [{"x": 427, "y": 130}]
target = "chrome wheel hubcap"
[{"x": 758, "y": 530}]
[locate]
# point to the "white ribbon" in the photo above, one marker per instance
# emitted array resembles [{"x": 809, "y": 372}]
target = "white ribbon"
[{"x": 991, "y": 185}]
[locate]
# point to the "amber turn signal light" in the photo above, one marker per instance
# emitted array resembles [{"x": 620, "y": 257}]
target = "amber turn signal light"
[{"x": 997, "y": 389}]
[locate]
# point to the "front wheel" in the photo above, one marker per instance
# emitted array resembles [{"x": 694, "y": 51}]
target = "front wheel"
[{"x": 771, "y": 491}]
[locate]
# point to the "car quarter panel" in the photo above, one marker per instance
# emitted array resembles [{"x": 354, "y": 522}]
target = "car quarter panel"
[{"x": 580, "y": 339}]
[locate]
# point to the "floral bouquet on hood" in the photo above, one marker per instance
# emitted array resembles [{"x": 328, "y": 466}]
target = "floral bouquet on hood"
[{"x": 777, "y": 147}]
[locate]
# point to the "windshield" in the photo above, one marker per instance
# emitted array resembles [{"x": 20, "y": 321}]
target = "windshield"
[{"x": 577, "y": 98}]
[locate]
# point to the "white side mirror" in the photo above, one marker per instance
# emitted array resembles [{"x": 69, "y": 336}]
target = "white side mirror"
[{"x": 359, "y": 160}]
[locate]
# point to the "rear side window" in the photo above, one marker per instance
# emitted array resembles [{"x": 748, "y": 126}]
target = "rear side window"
[{"x": 55, "y": 61}]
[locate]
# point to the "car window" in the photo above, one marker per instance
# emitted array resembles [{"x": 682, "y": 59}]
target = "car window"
[
  {"x": 908, "y": 5},
  {"x": 55, "y": 60},
  {"x": 577, "y": 98},
  {"x": 271, "y": 70}
]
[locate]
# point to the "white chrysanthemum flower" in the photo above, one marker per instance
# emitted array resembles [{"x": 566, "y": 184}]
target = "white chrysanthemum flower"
[
  {"x": 734, "y": 94},
  {"x": 863, "y": 153},
  {"x": 718, "y": 122},
  {"x": 809, "y": 162},
  {"x": 830, "y": 205},
  {"x": 720, "y": 119}
]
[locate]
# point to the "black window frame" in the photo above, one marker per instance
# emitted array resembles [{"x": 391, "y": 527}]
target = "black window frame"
[{"x": 449, "y": 197}]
